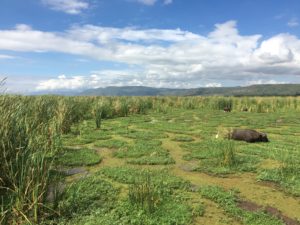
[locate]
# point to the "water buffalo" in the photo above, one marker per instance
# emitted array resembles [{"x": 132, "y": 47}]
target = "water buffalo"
[
  {"x": 248, "y": 135},
  {"x": 227, "y": 109}
]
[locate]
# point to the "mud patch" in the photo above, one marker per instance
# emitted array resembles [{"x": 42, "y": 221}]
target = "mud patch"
[
  {"x": 74, "y": 171},
  {"x": 253, "y": 207},
  {"x": 54, "y": 191},
  {"x": 189, "y": 167},
  {"x": 194, "y": 188},
  {"x": 270, "y": 184},
  {"x": 270, "y": 164}
]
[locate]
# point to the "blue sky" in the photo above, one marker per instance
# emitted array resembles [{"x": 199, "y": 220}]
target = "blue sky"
[{"x": 48, "y": 45}]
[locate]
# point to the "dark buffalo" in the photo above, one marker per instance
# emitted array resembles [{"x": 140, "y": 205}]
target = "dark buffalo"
[
  {"x": 248, "y": 135},
  {"x": 227, "y": 109}
]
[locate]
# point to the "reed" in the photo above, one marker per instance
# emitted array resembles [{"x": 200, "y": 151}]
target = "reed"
[{"x": 145, "y": 194}]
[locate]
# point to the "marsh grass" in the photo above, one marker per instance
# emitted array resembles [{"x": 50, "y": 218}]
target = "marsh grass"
[
  {"x": 228, "y": 156},
  {"x": 29, "y": 138},
  {"x": 31, "y": 129}
]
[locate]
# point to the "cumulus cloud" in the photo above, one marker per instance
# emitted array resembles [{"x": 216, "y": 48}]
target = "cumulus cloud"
[
  {"x": 162, "y": 57},
  {"x": 213, "y": 85},
  {"x": 67, "y": 6},
  {"x": 277, "y": 49},
  {"x": 96, "y": 79},
  {"x": 62, "y": 82}
]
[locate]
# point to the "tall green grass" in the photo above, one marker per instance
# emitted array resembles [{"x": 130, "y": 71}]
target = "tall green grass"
[{"x": 30, "y": 135}]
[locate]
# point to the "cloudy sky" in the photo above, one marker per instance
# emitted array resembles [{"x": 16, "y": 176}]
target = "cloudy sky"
[{"x": 49, "y": 45}]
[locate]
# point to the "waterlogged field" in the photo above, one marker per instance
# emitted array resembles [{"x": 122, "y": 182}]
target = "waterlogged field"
[{"x": 158, "y": 161}]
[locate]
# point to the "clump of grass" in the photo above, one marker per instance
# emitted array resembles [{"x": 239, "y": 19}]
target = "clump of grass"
[
  {"x": 228, "y": 156},
  {"x": 101, "y": 111},
  {"x": 78, "y": 157},
  {"x": 145, "y": 194},
  {"x": 198, "y": 209}
]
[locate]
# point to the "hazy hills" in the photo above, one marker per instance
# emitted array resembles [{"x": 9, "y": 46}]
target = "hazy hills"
[{"x": 254, "y": 90}]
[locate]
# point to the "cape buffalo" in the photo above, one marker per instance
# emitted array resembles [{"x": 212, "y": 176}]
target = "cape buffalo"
[
  {"x": 227, "y": 109},
  {"x": 248, "y": 135}
]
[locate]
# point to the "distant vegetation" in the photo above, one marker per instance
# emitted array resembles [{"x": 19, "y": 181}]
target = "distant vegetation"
[{"x": 254, "y": 90}]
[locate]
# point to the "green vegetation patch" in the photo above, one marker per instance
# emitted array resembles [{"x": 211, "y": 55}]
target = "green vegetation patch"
[
  {"x": 112, "y": 143},
  {"x": 86, "y": 195},
  {"x": 140, "y": 148},
  {"x": 145, "y": 152},
  {"x": 76, "y": 140},
  {"x": 78, "y": 157}
]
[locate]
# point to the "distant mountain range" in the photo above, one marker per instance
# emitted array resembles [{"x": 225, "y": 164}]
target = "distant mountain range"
[{"x": 254, "y": 90}]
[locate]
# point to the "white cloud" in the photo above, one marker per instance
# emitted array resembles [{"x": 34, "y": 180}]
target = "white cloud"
[
  {"x": 7, "y": 57},
  {"x": 277, "y": 49},
  {"x": 213, "y": 85},
  {"x": 254, "y": 82},
  {"x": 67, "y": 6},
  {"x": 161, "y": 57},
  {"x": 96, "y": 79},
  {"x": 152, "y": 2},
  {"x": 62, "y": 82},
  {"x": 293, "y": 22}
]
